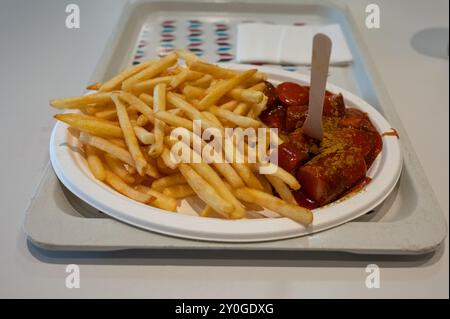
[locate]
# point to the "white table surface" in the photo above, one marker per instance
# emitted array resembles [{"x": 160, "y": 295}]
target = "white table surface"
[{"x": 41, "y": 59}]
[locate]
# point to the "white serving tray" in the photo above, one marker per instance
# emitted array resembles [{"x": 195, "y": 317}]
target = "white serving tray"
[{"x": 405, "y": 223}]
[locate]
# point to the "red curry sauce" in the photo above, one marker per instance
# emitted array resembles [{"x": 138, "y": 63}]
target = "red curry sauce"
[{"x": 327, "y": 169}]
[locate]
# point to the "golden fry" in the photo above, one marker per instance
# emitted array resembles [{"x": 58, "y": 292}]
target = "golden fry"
[
  {"x": 210, "y": 176},
  {"x": 281, "y": 188},
  {"x": 166, "y": 158},
  {"x": 130, "y": 138},
  {"x": 142, "y": 120},
  {"x": 107, "y": 147},
  {"x": 95, "y": 163},
  {"x": 116, "y": 82},
  {"x": 222, "y": 73},
  {"x": 205, "y": 191},
  {"x": 138, "y": 104},
  {"x": 163, "y": 168},
  {"x": 258, "y": 87},
  {"x": 239, "y": 120},
  {"x": 246, "y": 95},
  {"x": 166, "y": 181},
  {"x": 144, "y": 136},
  {"x": 267, "y": 187},
  {"x": 241, "y": 108},
  {"x": 187, "y": 56},
  {"x": 161, "y": 201},
  {"x": 210, "y": 116},
  {"x": 193, "y": 92},
  {"x": 212, "y": 69},
  {"x": 159, "y": 95},
  {"x": 149, "y": 85},
  {"x": 119, "y": 142},
  {"x": 174, "y": 120},
  {"x": 90, "y": 124},
  {"x": 190, "y": 111},
  {"x": 228, "y": 172},
  {"x": 151, "y": 71},
  {"x": 118, "y": 168},
  {"x": 247, "y": 176},
  {"x": 109, "y": 114},
  {"x": 147, "y": 99},
  {"x": 294, "y": 212},
  {"x": 220, "y": 90},
  {"x": 279, "y": 172},
  {"x": 179, "y": 191},
  {"x": 258, "y": 108},
  {"x": 97, "y": 99},
  {"x": 180, "y": 78},
  {"x": 229, "y": 106},
  {"x": 202, "y": 82},
  {"x": 115, "y": 182}
]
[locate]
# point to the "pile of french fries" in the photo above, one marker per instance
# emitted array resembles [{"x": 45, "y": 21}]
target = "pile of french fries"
[{"x": 125, "y": 126}]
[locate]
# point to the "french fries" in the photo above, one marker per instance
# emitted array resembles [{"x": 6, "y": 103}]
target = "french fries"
[
  {"x": 151, "y": 71},
  {"x": 109, "y": 114},
  {"x": 203, "y": 82},
  {"x": 220, "y": 90},
  {"x": 205, "y": 191},
  {"x": 139, "y": 105},
  {"x": 294, "y": 212},
  {"x": 174, "y": 120},
  {"x": 281, "y": 188},
  {"x": 190, "y": 111},
  {"x": 258, "y": 108},
  {"x": 239, "y": 120},
  {"x": 161, "y": 201},
  {"x": 147, "y": 99},
  {"x": 126, "y": 129},
  {"x": 116, "y": 82},
  {"x": 241, "y": 108},
  {"x": 118, "y": 168},
  {"x": 187, "y": 56},
  {"x": 159, "y": 95},
  {"x": 142, "y": 120},
  {"x": 209, "y": 175},
  {"x": 179, "y": 191},
  {"x": 149, "y": 85},
  {"x": 144, "y": 136},
  {"x": 115, "y": 182},
  {"x": 286, "y": 177},
  {"x": 247, "y": 96},
  {"x": 107, "y": 147},
  {"x": 130, "y": 138},
  {"x": 90, "y": 125},
  {"x": 171, "y": 180},
  {"x": 193, "y": 92},
  {"x": 95, "y": 163},
  {"x": 96, "y": 99}
]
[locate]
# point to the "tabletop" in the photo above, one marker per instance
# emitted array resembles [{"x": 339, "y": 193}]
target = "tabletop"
[{"x": 42, "y": 59}]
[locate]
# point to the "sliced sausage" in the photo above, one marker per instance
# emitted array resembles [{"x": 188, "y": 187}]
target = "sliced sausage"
[
  {"x": 272, "y": 98},
  {"x": 333, "y": 105},
  {"x": 290, "y": 156},
  {"x": 295, "y": 116},
  {"x": 274, "y": 118},
  {"x": 291, "y": 93},
  {"x": 326, "y": 177}
]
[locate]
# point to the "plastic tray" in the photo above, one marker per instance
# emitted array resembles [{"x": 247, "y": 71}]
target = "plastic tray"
[{"x": 409, "y": 221}]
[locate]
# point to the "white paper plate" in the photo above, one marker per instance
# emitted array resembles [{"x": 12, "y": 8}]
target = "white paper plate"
[{"x": 71, "y": 168}]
